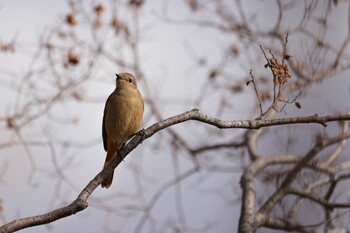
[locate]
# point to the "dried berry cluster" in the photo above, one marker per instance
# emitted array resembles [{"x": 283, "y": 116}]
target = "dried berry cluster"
[{"x": 280, "y": 71}]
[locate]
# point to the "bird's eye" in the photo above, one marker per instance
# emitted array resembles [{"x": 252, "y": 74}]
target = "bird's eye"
[{"x": 130, "y": 80}]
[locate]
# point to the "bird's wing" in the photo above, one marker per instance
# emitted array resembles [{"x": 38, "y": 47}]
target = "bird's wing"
[{"x": 104, "y": 132}]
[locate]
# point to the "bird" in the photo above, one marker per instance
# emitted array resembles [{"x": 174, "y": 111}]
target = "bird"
[{"x": 122, "y": 118}]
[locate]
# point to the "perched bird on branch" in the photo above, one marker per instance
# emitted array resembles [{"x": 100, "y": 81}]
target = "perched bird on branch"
[{"x": 122, "y": 118}]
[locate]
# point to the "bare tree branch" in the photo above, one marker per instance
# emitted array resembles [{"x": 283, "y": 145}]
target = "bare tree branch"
[{"x": 81, "y": 202}]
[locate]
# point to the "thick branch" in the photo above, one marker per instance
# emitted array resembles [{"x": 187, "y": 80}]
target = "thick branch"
[
  {"x": 194, "y": 114},
  {"x": 81, "y": 202},
  {"x": 74, "y": 207}
]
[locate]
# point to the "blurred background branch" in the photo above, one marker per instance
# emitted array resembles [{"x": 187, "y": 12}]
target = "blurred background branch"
[{"x": 58, "y": 61}]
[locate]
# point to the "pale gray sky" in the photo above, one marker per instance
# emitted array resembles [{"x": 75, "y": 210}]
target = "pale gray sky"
[{"x": 166, "y": 62}]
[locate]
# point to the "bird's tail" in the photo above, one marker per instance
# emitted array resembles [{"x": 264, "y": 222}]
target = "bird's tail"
[{"x": 111, "y": 153}]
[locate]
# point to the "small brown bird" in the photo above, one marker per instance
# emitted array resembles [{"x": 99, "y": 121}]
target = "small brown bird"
[{"x": 122, "y": 118}]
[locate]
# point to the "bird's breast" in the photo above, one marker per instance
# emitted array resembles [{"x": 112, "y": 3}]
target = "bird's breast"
[{"x": 124, "y": 116}]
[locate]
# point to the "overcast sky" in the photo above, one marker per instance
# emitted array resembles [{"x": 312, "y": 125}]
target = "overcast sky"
[{"x": 167, "y": 61}]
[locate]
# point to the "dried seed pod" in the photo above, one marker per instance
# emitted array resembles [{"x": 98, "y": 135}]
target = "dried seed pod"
[{"x": 70, "y": 19}]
